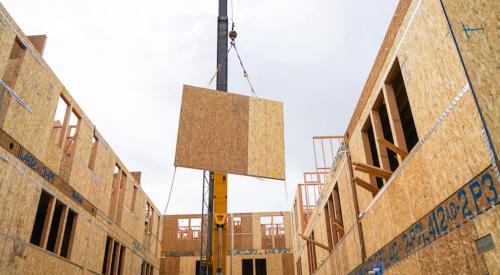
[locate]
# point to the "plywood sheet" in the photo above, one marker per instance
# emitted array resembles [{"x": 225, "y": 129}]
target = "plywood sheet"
[{"x": 230, "y": 133}]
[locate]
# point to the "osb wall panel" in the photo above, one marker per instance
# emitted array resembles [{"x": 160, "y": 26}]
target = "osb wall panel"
[
  {"x": 187, "y": 265},
  {"x": 40, "y": 89},
  {"x": 455, "y": 253},
  {"x": 39, "y": 262},
  {"x": 408, "y": 266},
  {"x": 246, "y": 136},
  {"x": 427, "y": 45},
  {"x": 213, "y": 131},
  {"x": 287, "y": 264},
  {"x": 480, "y": 50},
  {"x": 257, "y": 236},
  {"x": 257, "y": 139},
  {"x": 31, "y": 129},
  {"x": 170, "y": 266},
  {"x": 458, "y": 138},
  {"x": 275, "y": 144},
  {"x": 246, "y": 240},
  {"x": 7, "y": 37},
  {"x": 489, "y": 223},
  {"x": 170, "y": 243}
]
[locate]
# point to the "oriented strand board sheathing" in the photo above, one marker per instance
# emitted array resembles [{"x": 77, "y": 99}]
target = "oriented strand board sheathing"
[
  {"x": 489, "y": 223},
  {"x": 213, "y": 131},
  {"x": 7, "y": 37},
  {"x": 275, "y": 144},
  {"x": 480, "y": 50},
  {"x": 257, "y": 137},
  {"x": 230, "y": 133},
  {"x": 44, "y": 165},
  {"x": 287, "y": 264},
  {"x": 455, "y": 152}
]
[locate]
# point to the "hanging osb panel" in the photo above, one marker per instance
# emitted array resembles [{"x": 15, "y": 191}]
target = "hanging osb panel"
[{"x": 230, "y": 133}]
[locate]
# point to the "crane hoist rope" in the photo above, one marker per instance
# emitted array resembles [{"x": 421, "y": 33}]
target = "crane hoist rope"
[{"x": 232, "y": 35}]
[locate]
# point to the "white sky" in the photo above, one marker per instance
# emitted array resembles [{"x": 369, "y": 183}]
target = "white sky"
[{"x": 125, "y": 63}]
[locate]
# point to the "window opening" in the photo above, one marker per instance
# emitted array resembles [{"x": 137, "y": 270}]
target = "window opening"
[
  {"x": 113, "y": 257},
  {"x": 260, "y": 267},
  {"x": 247, "y": 266},
  {"x": 237, "y": 224},
  {"x": 189, "y": 229},
  {"x": 311, "y": 251},
  {"x": 403, "y": 107},
  {"x": 198, "y": 268},
  {"x": 120, "y": 259},
  {"x": 109, "y": 242},
  {"x": 68, "y": 234},
  {"x": 40, "y": 218},
  {"x": 13, "y": 68},
  {"x": 386, "y": 128},
  {"x": 54, "y": 228},
  {"x": 373, "y": 151},
  {"x": 93, "y": 153}
]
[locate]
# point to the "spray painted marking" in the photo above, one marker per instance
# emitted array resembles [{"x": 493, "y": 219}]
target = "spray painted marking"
[
  {"x": 32, "y": 162},
  {"x": 473, "y": 199},
  {"x": 467, "y": 30}
]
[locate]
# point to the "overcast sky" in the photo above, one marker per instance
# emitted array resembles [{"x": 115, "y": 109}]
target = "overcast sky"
[{"x": 125, "y": 63}]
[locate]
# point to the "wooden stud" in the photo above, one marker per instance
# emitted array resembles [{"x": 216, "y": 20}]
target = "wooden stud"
[
  {"x": 372, "y": 170},
  {"x": 368, "y": 153},
  {"x": 48, "y": 222},
  {"x": 115, "y": 259},
  {"x": 73, "y": 228},
  {"x": 394, "y": 119},
  {"x": 378, "y": 133},
  {"x": 368, "y": 186},
  {"x": 60, "y": 230},
  {"x": 331, "y": 215},
  {"x": 110, "y": 254},
  {"x": 400, "y": 151},
  {"x": 64, "y": 127},
  {"x": 338, "y": 226}
]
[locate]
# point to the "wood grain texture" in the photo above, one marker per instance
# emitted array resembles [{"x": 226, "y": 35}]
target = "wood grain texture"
[
  {"x": 213, "y": 131},
  {"x": 230, "y": 133}
]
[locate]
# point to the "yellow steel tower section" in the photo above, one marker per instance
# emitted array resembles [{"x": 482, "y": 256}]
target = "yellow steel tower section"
[{"x": 219, "y": 243}]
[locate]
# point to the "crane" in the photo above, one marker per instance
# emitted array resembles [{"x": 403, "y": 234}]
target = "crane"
[{"x": 215, "y": 260}]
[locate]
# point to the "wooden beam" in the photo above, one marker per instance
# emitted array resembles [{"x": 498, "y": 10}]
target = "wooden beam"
[
  {"x": 378, "y": 132},
  {"x": 338, "y": 226},
  {"x": 372, "y": 170},
  {"x": 48, "y": 222},
  {"x": 398, "y": 150},
  {"x": 394, "y": 119},
  {"x": 315, "y": 242},
  {"x": 368, "y": 186},
  {"x": 60, "y": 230}
]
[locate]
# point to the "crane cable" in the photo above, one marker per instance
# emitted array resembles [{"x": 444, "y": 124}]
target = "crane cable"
[{"x": 232, "y": 35}]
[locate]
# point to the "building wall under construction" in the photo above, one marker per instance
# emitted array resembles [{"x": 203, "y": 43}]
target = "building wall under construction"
[
  {"x": 256, "y": 242},
  {"x": 69, "y": 205},
  {"x": 417, "y": 180}
]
